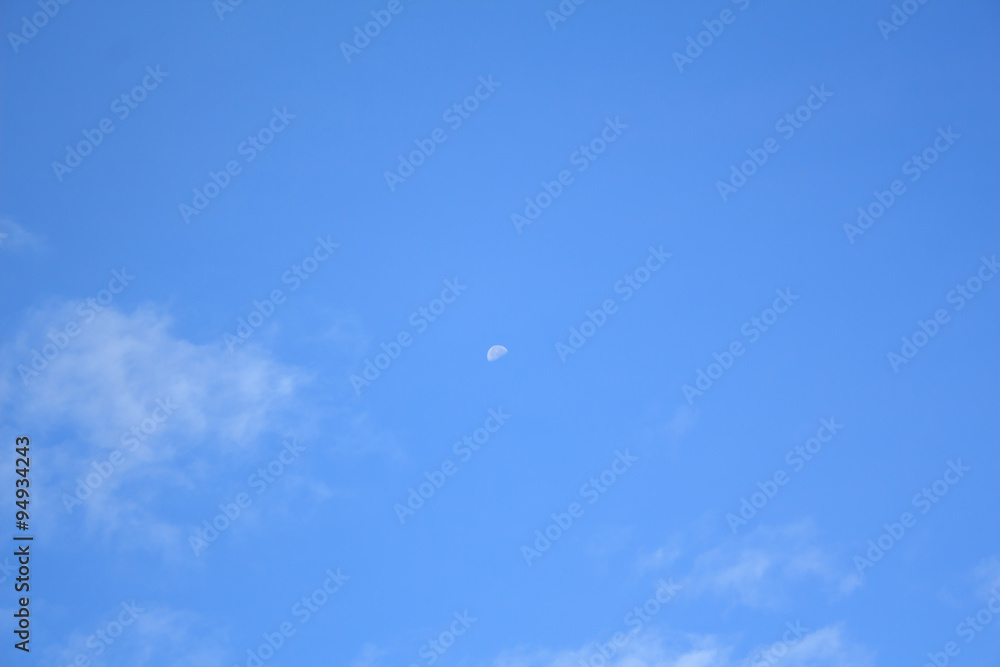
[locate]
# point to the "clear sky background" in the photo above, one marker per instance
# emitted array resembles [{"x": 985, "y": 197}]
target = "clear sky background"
[{"x": 803, "y": 560}]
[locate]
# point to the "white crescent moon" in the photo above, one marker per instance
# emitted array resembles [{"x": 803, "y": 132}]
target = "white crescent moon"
[{"x": 495, "y": 352}]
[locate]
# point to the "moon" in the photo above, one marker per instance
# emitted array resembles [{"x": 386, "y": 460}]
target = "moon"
[{"x": 495, "y": 352}]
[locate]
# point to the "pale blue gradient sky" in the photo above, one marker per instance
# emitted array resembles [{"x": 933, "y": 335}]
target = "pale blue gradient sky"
[{"x": 323, "y": 177}]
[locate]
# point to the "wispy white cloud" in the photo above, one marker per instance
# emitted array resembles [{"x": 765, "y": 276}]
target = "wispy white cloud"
[
  {"x": 157, "y": 636},
  {"x": 669, "y": 427},
  {"x": 757, "y": 569},
  {"x": 107, "y": 388},
  {"x": 370, "y": 656},
  {"x": 14, "y": 237},
  {"x": 647, "y": 650},
  {"x": 682, "y": 421},
  {"x": 110, "y": 376},
  {"x": 658, "y": 559},
  {"x": 363, "y": 436},
  {"x": 987, "y": 575},
  {"x": 347, "y": 331},
  {"x": 826, "y": 647}
]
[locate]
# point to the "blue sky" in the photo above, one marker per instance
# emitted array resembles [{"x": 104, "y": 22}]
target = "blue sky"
[{"x": 204, "y": 254}]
